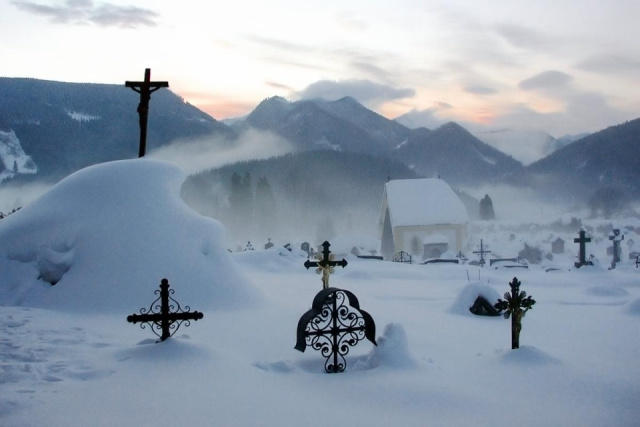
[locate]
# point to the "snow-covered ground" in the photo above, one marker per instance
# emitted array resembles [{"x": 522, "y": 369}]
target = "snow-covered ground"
[{"x": 109, "y": 233}]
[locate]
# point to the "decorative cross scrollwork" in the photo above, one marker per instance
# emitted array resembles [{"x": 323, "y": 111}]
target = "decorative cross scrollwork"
[
  {"x": 160, "y": 317},
  {"x": 334, "y": 323}
]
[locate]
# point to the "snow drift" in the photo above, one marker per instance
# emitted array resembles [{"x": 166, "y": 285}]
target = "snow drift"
[{"x": 104, "y": 237}]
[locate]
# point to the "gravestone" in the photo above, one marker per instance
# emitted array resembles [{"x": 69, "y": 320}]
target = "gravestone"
[
  {"x": 159, "y": 317},
  {"x": 482, "y": 307},
  {"x": 557, "y": 246},
  {"x": 616, "y": 250},
  {"x": 306, "y": 247},
  {"x": 582, "y": 240},
  {"x": 268, "y": 245},
  {"x": 145, "y": 89}
]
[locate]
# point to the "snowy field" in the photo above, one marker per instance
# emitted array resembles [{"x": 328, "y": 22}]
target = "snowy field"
[{"x": 108, "y": 234}]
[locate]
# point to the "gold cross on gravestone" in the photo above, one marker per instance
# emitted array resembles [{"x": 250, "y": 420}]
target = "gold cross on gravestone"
[
  {"x": 326, "y": 262},
  {"x": 145, "y": 89}
]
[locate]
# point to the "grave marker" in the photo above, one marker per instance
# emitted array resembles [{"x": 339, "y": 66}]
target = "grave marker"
[
  {"x": 158, "y": 315},
  {"x": 482, "y": 252},
  {"x": 334, "y": 323},
  {"x": 145, "y": 89},
  {"x": 616, "y": 238},
  {"x": 513, "y": 305},
  {"x": 268, "y": 245},
  {"x": 582, "y": 241},
  {"x": 325, "y": 264}
]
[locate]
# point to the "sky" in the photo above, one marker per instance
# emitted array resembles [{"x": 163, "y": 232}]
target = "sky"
[{"x": 562, "y": 66}]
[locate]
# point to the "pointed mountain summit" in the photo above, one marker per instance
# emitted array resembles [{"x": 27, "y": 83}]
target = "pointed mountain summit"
[
  {"x": 342, "y": 125},
  {"x": 455, "y": 154},
  {"x": 609, "y": 158}
]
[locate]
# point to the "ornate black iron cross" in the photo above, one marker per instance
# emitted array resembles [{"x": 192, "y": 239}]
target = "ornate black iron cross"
[
  {"x": 513, "y": 305},
  {"x": 582, "y": 257},
  {"x": 326, "y": 262},
  {"x": 333, "y": 324},
  {"x": 159, "y": 315},
  {"x": 144, "y": 88},
  {"x": 482, "y": 252}
]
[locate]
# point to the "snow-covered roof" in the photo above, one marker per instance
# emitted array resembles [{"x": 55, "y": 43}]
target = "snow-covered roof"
[{"x": 429, "y": 201}]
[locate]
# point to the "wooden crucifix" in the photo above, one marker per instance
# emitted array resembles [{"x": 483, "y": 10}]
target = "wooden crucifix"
[
  {"x": 165, "y": 320},
  {"x": 582, "y": 257},
  {"x": 326, "y": 262},
  {"x": 482, "y": 252},
  {"x": 144, "y": 88}
]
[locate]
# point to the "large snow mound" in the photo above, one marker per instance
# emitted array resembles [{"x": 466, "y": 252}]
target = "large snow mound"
[{"x": 105, "y": 236}]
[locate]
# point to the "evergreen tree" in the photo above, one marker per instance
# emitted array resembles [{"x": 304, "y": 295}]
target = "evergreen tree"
[
  {"x": 486, "y": 208},
  {"x": 265, "y": 212}
]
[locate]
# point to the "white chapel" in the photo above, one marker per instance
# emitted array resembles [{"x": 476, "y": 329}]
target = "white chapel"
[{"x": 423, "y": 217}]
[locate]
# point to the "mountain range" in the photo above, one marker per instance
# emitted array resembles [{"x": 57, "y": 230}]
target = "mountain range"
[{"x": 62, "y": 127}]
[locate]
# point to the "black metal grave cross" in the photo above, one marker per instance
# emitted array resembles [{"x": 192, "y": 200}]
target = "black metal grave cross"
[
  {"x": 159, "y": 315},
  {"x": 582, "y": 240},
  {"x": 333, "y": 324},
  {"x": 482, "y": 252},
  {"x": 326, "y": 262},
  {"x": 144, "y": 88},
  {"x": 513, "y": 305}
]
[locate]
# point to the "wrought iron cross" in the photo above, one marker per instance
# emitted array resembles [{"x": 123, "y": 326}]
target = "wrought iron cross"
[
  {"x": 333, "y": 324},
  {"x": 482, "y": 252},
  {"x": 144, "y": 88},
  {"x": 513, "y": 305},
  {"x": 326, "y": 262},
  {"x": 582, "y": 240},
  {"x": 159, "y": 316}
]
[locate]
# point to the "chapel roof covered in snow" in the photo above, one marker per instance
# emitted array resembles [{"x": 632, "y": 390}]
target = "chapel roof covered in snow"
[{"x": 416, "y": 202}]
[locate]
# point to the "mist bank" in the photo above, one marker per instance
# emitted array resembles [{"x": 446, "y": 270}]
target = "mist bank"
[{"x": 311, "y": 196}]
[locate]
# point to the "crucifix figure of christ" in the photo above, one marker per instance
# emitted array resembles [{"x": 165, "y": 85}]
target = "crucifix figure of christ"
[
  {"x": 326, "y": 263},
  {"x": 513, "y": 305},
  {"x": 159, "y": 316},
  {"x": 145, "y": 89},
  {"x": 582, "y": 257},
  {"x": 482, "y": 252}
]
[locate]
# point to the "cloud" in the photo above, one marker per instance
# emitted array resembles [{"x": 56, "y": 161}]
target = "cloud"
[
  {"x": 365, "y": 91},
  {"x": 583, "y": 112},
  {"x": 428, "y": 118},
  {"x": 480, "y": 90},
  {"x": 277, "y": 85},
  {"x": 545, "y": 80},
  {"x": 83, "y": 12},
  {"x": 610, "y": 64},
  {"x": 196, "y": 155},
  {"x": 523, "y": 37}
]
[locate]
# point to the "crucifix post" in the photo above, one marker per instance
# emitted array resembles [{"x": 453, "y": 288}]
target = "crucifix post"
[
  {"x": 165, "y": 320},
  {"x": 482, "y": 252},
  {"x": 326, "y": 262},
  {"x": 144, "y": 88},
  {"x": 582, "y": 241}
]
